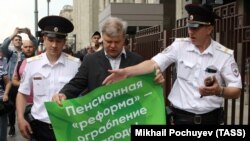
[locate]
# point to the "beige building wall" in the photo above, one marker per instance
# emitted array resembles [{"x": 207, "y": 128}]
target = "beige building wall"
[
  {"x": 85, "y": 15},
  {"x": 180, "y": 11},
  {"x": 67, "y": 12},
  {"x": 135, "y": 14}
]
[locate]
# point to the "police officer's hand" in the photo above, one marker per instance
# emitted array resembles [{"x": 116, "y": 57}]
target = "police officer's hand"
[
  {"x": 58, "y": 98},
  {"x": 159, "y": 78},
  {"x": 214, "y": 89},
  {"x": 24, "y": 128},
  {"x": 116, "y": 75}
]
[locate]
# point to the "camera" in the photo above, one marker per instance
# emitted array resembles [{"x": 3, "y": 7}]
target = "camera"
[
  {"x": 209, "y": 81},
  {"x": 23, "y": 30},
  {"x": 210, "y": 73}
]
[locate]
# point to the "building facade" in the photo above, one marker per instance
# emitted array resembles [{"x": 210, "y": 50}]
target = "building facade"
[
  {"x": 89, "y": 15},
  {"x": 67, "y": 12}
]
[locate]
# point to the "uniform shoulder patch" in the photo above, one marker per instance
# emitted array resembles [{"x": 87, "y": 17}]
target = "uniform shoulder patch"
[
  {"x": 235, "y": 69},
  {"x": 72, "y": 58},
  {"x": 38, "y": 57},
  {"x": 224, "y": 49}
]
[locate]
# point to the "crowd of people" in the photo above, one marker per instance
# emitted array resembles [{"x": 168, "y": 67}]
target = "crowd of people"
[
  {"x": 31, "y": 78},
  {"x": 14, "y": 55}
]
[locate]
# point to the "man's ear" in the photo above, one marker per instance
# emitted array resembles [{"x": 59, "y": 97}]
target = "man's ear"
[{"x": 211, "y": 29}]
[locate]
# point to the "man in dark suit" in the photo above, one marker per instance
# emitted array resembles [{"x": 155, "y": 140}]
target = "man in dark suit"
[{"x": 94, "y": 68}]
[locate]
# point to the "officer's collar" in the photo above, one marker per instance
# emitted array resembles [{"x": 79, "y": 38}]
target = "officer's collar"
[
  {"x": 60, "y": 60},
  {"x": 209, "y": 50}
]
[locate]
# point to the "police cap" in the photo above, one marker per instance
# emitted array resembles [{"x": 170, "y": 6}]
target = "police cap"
[
  {"x": 55, "y": 26},
  {"x": 200, "y": 15}
]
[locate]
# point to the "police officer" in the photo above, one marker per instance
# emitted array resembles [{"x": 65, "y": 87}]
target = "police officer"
[
  {"x": 192, "y": 100},
  {"x": 46, "y": 73}
]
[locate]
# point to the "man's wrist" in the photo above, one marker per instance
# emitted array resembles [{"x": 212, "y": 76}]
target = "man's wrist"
[
  {"x": 127, "y": 73},
  {"x": 221, "y": 94}
]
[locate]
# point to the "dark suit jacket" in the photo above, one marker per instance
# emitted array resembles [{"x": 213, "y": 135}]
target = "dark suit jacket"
[{"x": 93, "y": 70}]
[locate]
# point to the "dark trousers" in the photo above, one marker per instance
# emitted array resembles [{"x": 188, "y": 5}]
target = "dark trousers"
[
  {"x": 42, "y": 131},
  {"x": 12, "y": 98},
  {"x": 181, "y": 117}
]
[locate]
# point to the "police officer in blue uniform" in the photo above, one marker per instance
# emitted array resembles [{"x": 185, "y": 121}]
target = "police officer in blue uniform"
[
  {"x": 45, "y": 75},
  {"x": 196, "y": 97}
]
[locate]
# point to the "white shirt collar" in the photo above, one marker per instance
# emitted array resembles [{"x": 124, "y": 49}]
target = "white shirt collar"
[
  {"x": 122, "y": 52},
  {"x": 61, "y": 59}
]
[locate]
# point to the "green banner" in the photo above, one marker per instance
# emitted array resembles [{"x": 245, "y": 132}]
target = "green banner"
[{"x": 107, "y": 112}]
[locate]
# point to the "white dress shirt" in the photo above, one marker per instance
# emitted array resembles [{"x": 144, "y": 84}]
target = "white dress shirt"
[
  {"x": 46, "y": 80},
  {"x": 191, "y": 66}
]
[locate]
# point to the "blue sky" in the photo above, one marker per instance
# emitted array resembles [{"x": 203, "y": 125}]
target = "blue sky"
[{"x": 20, "y": 13}]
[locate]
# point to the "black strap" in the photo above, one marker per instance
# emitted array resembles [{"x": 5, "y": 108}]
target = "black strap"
[
  {"x": 2, "y": 82},
  {"x": 17, "y": 69}
]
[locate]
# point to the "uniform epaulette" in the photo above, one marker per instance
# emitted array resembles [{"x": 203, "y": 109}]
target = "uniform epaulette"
[
  {"x": 224, "y": 49},
  {"x": 70, "y": 57},
  {"x": 34, "y": 58},
  {"x": 182, "y": 39}
]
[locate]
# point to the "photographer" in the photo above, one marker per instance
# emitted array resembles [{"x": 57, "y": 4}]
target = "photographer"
[{"x": 14, "y": 55}]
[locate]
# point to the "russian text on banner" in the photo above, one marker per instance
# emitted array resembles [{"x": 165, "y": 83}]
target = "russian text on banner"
[{"x": 108, "y": 112}]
